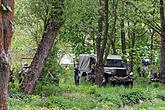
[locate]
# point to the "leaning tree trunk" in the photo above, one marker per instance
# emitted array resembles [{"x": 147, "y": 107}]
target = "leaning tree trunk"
[
  {"x": 162, "y": 55},
  {"x": 52, "y": 23},
  {"x": 6, "y": 22},
  {"x": 40, "y": 57}
]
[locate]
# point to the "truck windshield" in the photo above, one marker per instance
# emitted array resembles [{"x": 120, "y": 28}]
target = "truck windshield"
[{"x": 113, "y": 63}]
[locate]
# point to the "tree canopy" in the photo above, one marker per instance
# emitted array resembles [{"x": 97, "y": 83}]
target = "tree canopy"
[{"x": 39, "y": 33}]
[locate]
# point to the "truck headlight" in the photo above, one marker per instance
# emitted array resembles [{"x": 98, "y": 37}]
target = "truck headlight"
[{"x": 131, "y": 73}]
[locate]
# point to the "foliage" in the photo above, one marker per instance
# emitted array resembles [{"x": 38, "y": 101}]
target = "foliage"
[
  {"x": 132, "y": 97},
  {"x": 80, "y": 23},
  {"x": 56, "y": 89},
  {"x": 50, "y": 74},
  {"x": 87, "y": 96},
  {"x": 80, "y": 27},
  {"x": 27, "y": 34}
]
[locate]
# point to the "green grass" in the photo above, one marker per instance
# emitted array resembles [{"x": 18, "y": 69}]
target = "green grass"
[{"x": 88, "y": 96}]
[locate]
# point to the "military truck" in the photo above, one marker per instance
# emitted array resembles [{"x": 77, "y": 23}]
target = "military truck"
[
  {"x": 115, "y": 72},
  {"x": 86, "y": 66}
]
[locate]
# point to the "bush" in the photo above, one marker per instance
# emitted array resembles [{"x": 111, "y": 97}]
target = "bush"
[
  {"x": 161, "y": 95},
  {"x": 132, "y": 98},
  {"x": 46, "y": 89},
  {"x": 50, "y": 74}
]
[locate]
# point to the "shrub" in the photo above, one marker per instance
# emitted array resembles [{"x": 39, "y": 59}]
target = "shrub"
[
  {"x": 50, "y": 74},
  {"x": 132, "y": 98}
]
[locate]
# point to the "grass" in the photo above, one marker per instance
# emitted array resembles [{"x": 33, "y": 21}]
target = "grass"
[{"x": 87, "y": 96}]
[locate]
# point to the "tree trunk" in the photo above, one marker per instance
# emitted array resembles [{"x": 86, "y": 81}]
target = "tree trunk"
[
  {"x": 162, "y": 51},
  {"x": 4, "y": 75},
  {"x": 113, "y": 45},
  {"x": 131, "y": 46},
  {"x": 40, "y": 57},
  {"x": 52, "y": 24},
  {"x": 99, "y": 73},
  {"x": 114, "y": 16},
  {"x": 123, "y": 43},
  {"x": 6, "y": 19},
  {"x": 101, "y": 40},
  {"x": 1, "y": 31},
  {"x": 132, "y": 50},
  {"x": 151, "y": 51},
  {"x": 122, "y": 26},
  {"x": 111, "y": 35}
]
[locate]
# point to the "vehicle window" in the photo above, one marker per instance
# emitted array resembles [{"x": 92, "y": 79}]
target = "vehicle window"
[{"x": 113, "y": 63}]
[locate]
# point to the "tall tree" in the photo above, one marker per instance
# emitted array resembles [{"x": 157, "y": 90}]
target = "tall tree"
[
  {"x": 114, "y": 18},
  {"x": 53, "y": 20},
  {"x": 110, "y": 40},
  {"x": 101, "y": 39},
  {"x": 122, "y": 25},
  {"x": 6, "y": 24},
  {"x": 162, "y": 55},
  {"x": 151, "y": 50}
]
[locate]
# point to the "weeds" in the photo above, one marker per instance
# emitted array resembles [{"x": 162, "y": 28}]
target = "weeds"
[
  {"x": 132, "y": 97},
  {"x": 87, "y": 96}
]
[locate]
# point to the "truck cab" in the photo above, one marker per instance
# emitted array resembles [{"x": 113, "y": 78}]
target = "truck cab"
[{"x": 115, "y": 72}]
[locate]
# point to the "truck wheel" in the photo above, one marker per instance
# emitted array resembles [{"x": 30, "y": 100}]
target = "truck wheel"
[
  {"x": 113, "y": 83},
  {"x": 130, "y": 84}
]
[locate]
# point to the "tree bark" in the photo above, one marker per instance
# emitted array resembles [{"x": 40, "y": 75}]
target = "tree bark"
[
  {"x": 114, "y": 16},
  {"x": 132, "y": 50},
  {"x": 123, "y": 43},
  {"x": 123, "y": 39},
  {"x": 52, "y": 24},
  {"x": 122, "y": 26},
  {"x": 151, "y": 50},
  {"x": 4, "y": 75},
  {"x": 131, "y": 36},
  {"x": 101, "y": 40},
  {"x": 111, "y": 34},
  {"x": 113, "y": 45},
  {"x": 1, "y": 31},
  {"x": 162, "y": 50},
  {"x": 6, "y": 19},
  {"x": 40, "y": 57}
]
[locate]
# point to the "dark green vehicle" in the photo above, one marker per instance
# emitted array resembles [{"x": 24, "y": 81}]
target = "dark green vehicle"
[{"x": 115, "y": 72}]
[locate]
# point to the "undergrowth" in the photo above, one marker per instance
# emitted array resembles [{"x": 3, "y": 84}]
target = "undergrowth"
[{"x": 87, "y": 96}]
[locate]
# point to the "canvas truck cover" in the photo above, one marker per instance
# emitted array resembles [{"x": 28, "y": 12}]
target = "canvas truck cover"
[
  {"x": 114, "y": 57},
  {"x": 84, "y": 62}
]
